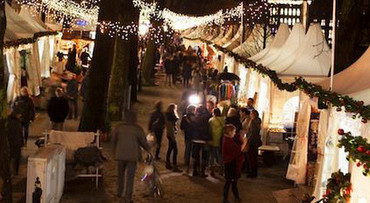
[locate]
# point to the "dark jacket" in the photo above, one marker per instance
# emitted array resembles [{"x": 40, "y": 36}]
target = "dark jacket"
[
  {"x": 26, "y": 107},
  {"x": 157, "y": 121},
  {"x": 58, "y": 109},
  {"x": 15, "y": 136},
  {"x": 253, "y": 134},
  {"x": 186, "y": 125},
  {"x": 72, "y": 89},
  {"x": 127, "y": 140},
  {"x": 201, "y": 127}
]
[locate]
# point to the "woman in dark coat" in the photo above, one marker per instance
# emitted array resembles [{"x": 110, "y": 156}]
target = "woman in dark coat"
[
  {"x": 254, "y": 141},
  {"x": 171, "y": 120}
]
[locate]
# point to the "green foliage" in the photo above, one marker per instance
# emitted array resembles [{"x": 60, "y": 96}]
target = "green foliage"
[
  {"x": 358, "y": 150},
  {"x": 338, "y": 188}
]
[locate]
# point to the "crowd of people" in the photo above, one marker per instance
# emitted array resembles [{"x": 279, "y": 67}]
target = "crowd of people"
[{"x": 227, "y": 145}]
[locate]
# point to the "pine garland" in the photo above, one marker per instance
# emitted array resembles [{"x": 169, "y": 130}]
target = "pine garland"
[
  {"x": 358, "y": 150},
  {"x": 16, "y": 43}
]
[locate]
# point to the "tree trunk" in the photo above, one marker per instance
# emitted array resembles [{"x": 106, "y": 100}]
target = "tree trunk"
[
  {"x": 348, "y": 35},
  {"x": 148, "y": 63},
  {"x": 94, "y": 112},
  {"x": 124, "y": 64},
  {"x": 4, "y": 144}
]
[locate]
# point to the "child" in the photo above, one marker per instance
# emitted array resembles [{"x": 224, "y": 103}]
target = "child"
[{"x": 233, "y": 161}]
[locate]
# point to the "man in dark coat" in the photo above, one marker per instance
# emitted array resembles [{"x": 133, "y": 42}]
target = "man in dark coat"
[
  {"x": 15, "y": 139},
  {"x": 156, "y": 126},
  {"x": 27, "y": 110},
  {"x": 201, "y": 138},
  {"x": 58, "y": 110},
  {"x": 128, "y": 138}
]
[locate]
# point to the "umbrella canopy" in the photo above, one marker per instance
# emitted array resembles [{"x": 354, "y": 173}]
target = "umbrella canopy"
[{"x": 228, "y": 76}]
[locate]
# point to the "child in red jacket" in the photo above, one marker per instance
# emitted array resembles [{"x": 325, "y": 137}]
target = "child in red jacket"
[{"x": 233, "y": 161}]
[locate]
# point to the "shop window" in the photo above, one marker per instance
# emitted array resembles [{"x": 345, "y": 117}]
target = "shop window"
[
  {"x": 286, "y": 11},
  {"x": 290, "y": 11}
]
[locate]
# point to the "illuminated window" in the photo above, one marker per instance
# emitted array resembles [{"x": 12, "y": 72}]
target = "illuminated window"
[
  {"x": 286, "y": 11},
  {"x": 294, "y": 12},
  {"x": 322, "y": 22},
  {"x": 289, "y": 21},
  {"x": 285, "y": 20},
  {"x": 298, "y": 12},
  {"x": 290, "y": 11}
]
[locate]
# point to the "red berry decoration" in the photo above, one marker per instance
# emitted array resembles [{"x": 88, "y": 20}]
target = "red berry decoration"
[
  {"x": 368, "y": 152},
  {"x": 340, "y": 131},
  {"x": 364, "y": 120},
  {"x": 339, "y": 109},
  {"x": 358, "y": 164},
  {"x": 366, "y": 167},
  {"x": 361, "y": 149}
]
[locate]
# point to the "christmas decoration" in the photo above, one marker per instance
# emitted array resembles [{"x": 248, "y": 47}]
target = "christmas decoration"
[
  {"x": 338, "y": 188},
  {"x": 358, "y": 150}
]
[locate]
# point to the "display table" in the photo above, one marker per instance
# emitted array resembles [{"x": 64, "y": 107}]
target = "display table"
[{"x": 268, "y": 154}]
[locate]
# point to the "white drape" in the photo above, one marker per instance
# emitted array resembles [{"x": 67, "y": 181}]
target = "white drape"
[
  {"x": 298, "y": 160},
  {"x": 335, "y": 158},
  {"x": 321, "y": 139},
  {"x": 14, "y": 83},
  {"x": 45, "y": 59},
  {"x": 33, "y": 70}
]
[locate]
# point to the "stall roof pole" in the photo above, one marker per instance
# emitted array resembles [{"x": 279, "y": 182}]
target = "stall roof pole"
[
  {"x": 242, "y": 24},
  {"x": 333, "y": 45}
]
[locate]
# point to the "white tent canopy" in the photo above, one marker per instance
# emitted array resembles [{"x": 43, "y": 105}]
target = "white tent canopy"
[
  {"x": 254, "y": 42},
  {"x": 228, "y": 36},
  {"x": 289, "y": 48},
  {"x": 34, "y": 20},
  {"x": 354, "y": 79},
  {"x": 314, "y": 56},
  {"x": 279, "y": 40},
  {"x": 17, "y": 26},
  {"x": 309, "y": 57}
]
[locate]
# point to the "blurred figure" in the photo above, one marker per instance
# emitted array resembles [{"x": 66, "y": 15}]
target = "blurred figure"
[
  {"x": 188, "y": 127},
  {"x": 128, "y": 138},
  {"x": 58, "y": 110},
  {"x": 85, "y": 56},
  {"x": 254, "y": 141},
  {"x": 167, "y": 65},
  {"x": 171, "y": 119},
  {"x": 26, "y": 107},
  {"x": 15, "y": 139},
  {"x": 250, "y": 104},
  {"x": 216, "y": 125},
  {"x": 201, "y": 138},
  {"x": 233, "y": 119},
  {"x": 72, "y": 95},
  {"x": 157, "y": 125}
]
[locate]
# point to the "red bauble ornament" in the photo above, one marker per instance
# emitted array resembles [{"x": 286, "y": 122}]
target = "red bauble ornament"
[
  {"x": 368, "y": 152},
  {"x": 339, "y": 109},
  {"x": 361, "y": 149},
  {"x": 358, "y": 164},
  {"x": 366, "y": 167},
  {"x": 327, "y": 192},
  {"x": 364, "y": 120},
  {"x": 340, "y": 131}
]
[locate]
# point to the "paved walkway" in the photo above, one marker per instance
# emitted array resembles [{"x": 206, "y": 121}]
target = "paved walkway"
[{"x": 179, "y": 187}]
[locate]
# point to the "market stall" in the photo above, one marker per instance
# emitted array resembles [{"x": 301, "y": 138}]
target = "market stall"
[{"x": 354, "y": 83}]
